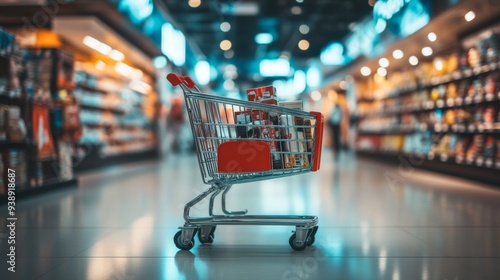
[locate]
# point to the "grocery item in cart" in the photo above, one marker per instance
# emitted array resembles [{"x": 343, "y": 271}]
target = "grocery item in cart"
[
  {"x": 265, "y": 95},
  {"x": 265, "y": 130},
  {"x": 293, "y": 147}
]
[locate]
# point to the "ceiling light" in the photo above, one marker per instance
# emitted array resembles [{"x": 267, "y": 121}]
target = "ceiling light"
[
  {"x": 313, "y": 76},
  {"x": 194, "y": 3},
  {"x": 225, "y": 26},
  {"x": 229, "y": 84},
  {"x": 97, "y": 45},
  {"x": 225, "y": 45},
  {"x": 300, "y": 1},
  {"x": 382, "y": 72},
  {"x": 128, "y": 71},
  {"x": 296, "y": 10},
  {"x": 160, "y": 61},
  {"x": 285, "y": 55},
  {"x": 117, "y": 55},
  {"x": 439, "y": 65},
  {"x": 316, "y": 95},
  {"x": 343, "y": 85},
  {"x": 383, "y": 62},
  {"x": 366, "y": 71},
  {"x": 303, "y": 45},
  {"x": 229, "y": 54},
  {"x": 202, "y": 72},
  {"x": 470, "y": 16},
  {"x": 397, "y": 54},
  {"x": 432, "y": 37},
  {"x": 304, "y": 29},
  {"x": 100, "y": 65},
  {"x": 263, "y": 38},
  {"x": 427, "y": 51},
  {"x": 413, "y": 60}
]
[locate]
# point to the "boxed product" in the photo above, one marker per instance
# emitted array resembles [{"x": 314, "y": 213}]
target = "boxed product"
[
  {"x": 299, "y": 105},
  {"x": 243, "y": 118},
  {"x": 16, "y": 127},
  {"x": 265, "y": 130},
  {"x": 266, "y": 95},
  {"x": 295, "y": 147}
]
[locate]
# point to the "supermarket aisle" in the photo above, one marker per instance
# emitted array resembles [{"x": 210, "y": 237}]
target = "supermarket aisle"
[{"x": 376, "y": 222}]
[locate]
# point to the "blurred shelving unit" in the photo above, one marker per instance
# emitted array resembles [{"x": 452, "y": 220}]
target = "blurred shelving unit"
[{"x": 441, "y": 110}]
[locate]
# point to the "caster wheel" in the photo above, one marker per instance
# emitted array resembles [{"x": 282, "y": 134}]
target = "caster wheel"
[
  {"x": 179, "y": 244},
  {"x": 310, "y": 241},
  {"x": 207, "y": 239},
  {"x": 312, "y": 233},
  {"x": 294, "y": 244}
]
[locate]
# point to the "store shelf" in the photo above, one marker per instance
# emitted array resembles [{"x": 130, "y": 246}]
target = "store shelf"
[
  {"x": 439, "y": 128},
  {"x": 448, "y": 165},
  {"x": 427, "y": 106},
  {"x": 103, "y": 109},
  {"x": 47, "y": 186},
  {"x": 90, "y": 89},
  {"x": 457, "y": 76},
  {"x": 7, "y": 100},
  {"x": 94, "y": 159},
  {"x": 6, "y": 145}
]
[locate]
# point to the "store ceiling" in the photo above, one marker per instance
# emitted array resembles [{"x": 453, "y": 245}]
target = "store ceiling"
[{"x": 328, "y": 20}]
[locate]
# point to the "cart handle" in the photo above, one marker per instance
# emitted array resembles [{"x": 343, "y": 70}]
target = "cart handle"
[
  {"x": 318, "y": 140},
  {"x": 175, "y": 80}
]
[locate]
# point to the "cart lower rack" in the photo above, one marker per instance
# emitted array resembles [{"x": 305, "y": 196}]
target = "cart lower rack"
[{"x": 240, "y": 141}]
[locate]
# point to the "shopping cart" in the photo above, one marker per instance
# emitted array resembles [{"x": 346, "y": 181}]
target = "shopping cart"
[{"x": 272, "y": 142}]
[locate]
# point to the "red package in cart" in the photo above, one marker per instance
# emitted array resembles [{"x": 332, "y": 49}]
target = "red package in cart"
[
  {"x": 265, "y": 130},
  {"x": 266, "y": 95},
  {"x": 258, "y": 115}
]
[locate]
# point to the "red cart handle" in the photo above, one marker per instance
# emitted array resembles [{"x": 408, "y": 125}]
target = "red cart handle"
[
  {"x": 320, "y": 120},
  {"x": 175, "y": 80}
]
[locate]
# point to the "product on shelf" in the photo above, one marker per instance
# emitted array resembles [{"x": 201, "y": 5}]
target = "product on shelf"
[
  {"x": 475, "y": 148},
  {"x": 16, "y": 160},
  {"x": 41, "y": 131},
  {"x": 16, "y": 128},
  {"x": 265, "y": 95},
  {"x": 490, "y": 150}
]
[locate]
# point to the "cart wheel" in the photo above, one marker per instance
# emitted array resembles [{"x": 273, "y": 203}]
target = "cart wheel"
[
  {"x": 294, "y": 244},
  {"x": 179, "y": 244},
  {"x": 207, "y": 240},
  {"x": 312, "y": 234}
]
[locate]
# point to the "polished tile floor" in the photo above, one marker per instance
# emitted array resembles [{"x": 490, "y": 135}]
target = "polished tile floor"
[{"x": 376, "y": 222}]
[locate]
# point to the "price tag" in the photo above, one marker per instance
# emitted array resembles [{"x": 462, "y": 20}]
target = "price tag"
[
  {"x": 468, "y": 73},
  {"x": 445, "y": 127},
  {"x": 470, "y": 160},
  {"x": 489, "y": 126},
  {"x": 493, "y": 66},
  {"x": 461, "y": 128},
  {"x": 489, "y": 96},
  {"x": 457, "y": 75},
  {"x": 454, "y": 127},
  {"x": 450, "y": 102},
  {"x": 479, "y": 161},
  {"x": 459, "y": 159},
  {"x": 477, "y": 70},
  {"x": 478, "y": 99},
  {"x": 468, "y": 100},
  {"x": 480, "y": 128},
  {"x": 440, "y": 103},
  {"x": 485, "y": 68},
  {"x": 459, "y": 101},
  {"x": 489, "y": 162},
  {"x": 446, "y": 78},
  {"x": 472, "y": 128},
  {"x": 430, "y": 104},
  {"x": 430, "y": 156}
]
